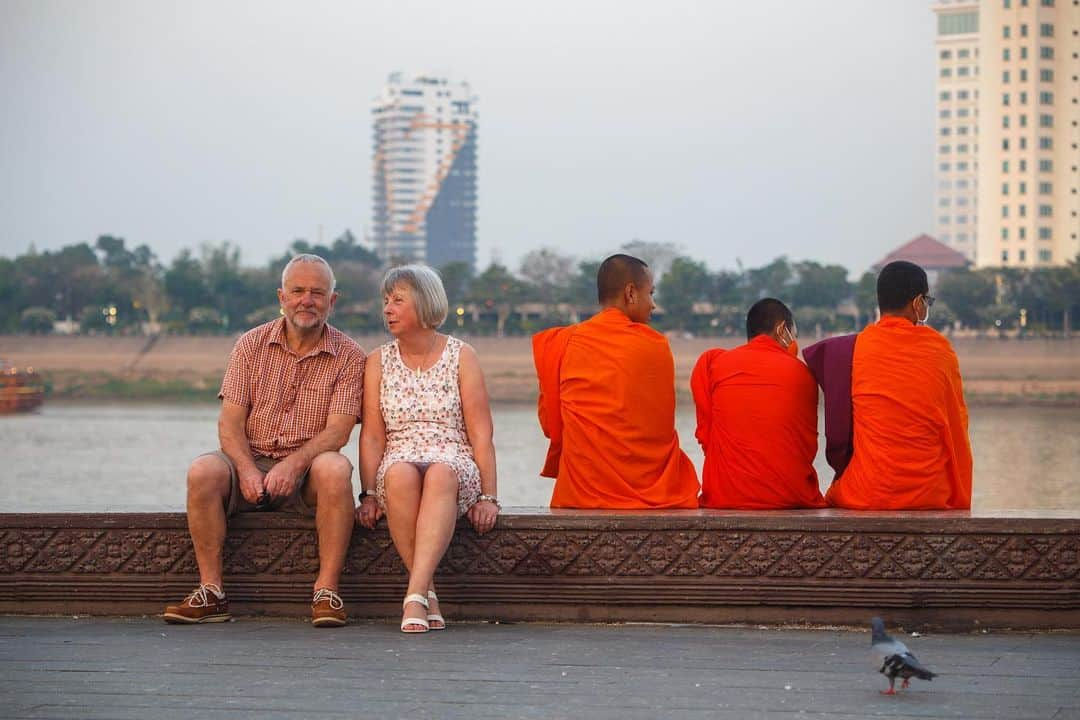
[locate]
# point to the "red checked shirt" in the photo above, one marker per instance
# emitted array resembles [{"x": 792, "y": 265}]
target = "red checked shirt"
[{"x": 289, "y": 397}]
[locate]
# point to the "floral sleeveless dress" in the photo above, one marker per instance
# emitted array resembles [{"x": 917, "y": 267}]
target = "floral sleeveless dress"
[{"x": 424, "y": 422}]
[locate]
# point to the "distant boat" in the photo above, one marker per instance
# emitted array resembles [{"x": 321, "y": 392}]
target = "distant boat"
[{"x": 21, "y": 389}]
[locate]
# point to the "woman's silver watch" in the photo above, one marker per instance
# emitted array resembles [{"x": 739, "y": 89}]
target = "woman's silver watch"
[{"x": 490, "y": 499}]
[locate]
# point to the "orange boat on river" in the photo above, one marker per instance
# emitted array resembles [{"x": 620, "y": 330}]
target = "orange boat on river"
[{"x": 21, "y": 389}]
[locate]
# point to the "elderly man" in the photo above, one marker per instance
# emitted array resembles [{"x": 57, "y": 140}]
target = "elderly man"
[
  {"x": 757, "y": 418},
  {"x": 908, "y": 417},
  {"x": 607, "y": 402},
  {"x": 290, "y": 398}
]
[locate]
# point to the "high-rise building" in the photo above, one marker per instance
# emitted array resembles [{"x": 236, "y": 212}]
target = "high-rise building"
[
  {"x": 1007, "y": 152},
  {"x": 955, "y": 168},
  {"x": 424, "y": 195},
  {"x": 1029, "y": 111}
]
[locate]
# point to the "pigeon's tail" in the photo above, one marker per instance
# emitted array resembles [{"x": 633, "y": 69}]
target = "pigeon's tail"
[
  {"x": 922, "y": 673},
  {"x": 918, "y": 670}
]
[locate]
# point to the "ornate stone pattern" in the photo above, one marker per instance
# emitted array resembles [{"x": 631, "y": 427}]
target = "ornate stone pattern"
[
  {"x": 991, "y": 559},
  {"x": 770, "y": 554}
]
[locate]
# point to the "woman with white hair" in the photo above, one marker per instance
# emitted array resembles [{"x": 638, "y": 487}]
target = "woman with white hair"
[{"x": 426, "y": 450}]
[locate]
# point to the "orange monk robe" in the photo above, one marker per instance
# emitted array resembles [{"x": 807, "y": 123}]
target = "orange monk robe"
[
  {"x": 757, "y": 423},
  {"x": 910, "y": 424},
  {"x": 607, "y": 403}
]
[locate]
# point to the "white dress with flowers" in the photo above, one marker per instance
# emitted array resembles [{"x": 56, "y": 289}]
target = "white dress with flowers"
[{"x": 424, "y": 422}]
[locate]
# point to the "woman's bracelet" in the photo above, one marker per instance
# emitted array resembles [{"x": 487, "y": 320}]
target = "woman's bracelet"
[
  {"x": 365, "y": 494},
  {"x": 490, "y": 499}
]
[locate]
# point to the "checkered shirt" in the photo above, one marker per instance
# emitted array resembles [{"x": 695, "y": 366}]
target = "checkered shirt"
[{"x": 290, "y": 397}]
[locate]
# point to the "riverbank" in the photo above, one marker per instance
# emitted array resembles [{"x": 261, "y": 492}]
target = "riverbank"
[{"x": 996, "y": 372}]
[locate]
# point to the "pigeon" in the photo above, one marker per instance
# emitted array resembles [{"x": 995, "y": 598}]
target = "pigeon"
[{"x": 896, "y": 660}]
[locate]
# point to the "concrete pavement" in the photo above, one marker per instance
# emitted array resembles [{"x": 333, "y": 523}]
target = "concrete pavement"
[{"x": 96, "y": 668}]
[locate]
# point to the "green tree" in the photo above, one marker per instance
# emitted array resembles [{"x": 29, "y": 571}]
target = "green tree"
[
  {"x": 79, "y": 279},
  {"x": 548, "y": 274},
  {"x": 456, "y": 277},
  {"x": 8, "y": 292},
  {"x": 37, "y": 320},
  {"x": 772, "y": 280},
  {"x": 582, "y": 290},
  {"x": 225, "y": 284},
  {"x": 1070, "y": 292},
  {"x": 817, "y": 285},
  {"x": 685, "y": 283},
  {"x": 114, "y": 256},
  {"x": 185, "y": 286},
  {"x": 344, "y": 248},
  {"x": 866, "y": 297},
  {"x": 725, "y": 288},
  {"x": 969, "y": 294},
  {"x": 496, "y": 289}
]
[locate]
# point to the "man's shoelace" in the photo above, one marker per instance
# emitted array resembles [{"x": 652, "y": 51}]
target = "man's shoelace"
[{"x": 323, "y": 594}]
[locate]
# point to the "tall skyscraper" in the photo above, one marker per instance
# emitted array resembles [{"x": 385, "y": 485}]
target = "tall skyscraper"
[
  {"x": 424, "y": 199},
  {"x": 955, "y": 174},
  {"x": 1007, "y": 130},
  {"x": 1029, "y": 51}
]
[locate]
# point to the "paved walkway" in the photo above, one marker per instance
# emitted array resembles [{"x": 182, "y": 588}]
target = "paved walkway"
[{"x": 268, "y": 669}]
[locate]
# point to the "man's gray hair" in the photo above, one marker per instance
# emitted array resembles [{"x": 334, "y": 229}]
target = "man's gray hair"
[
  {"x": 309, "y": 258},
  {"x": 427, "y": 291}
]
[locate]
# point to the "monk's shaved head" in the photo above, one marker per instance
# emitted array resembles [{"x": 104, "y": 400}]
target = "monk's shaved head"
[
  {"x": 616, "y": 272},
  {"x": 765, "y": 315},
  {"x": 898, "y": 284}
]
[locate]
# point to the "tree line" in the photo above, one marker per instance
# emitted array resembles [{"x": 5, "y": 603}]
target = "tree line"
[{"x": 108, "y": 287}]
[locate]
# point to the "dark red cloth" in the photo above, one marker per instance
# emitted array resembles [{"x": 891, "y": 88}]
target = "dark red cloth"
[{"x": 830, "y": 362}]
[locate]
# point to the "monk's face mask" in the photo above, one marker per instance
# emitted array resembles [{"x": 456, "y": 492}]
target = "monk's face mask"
[
  {"x": 927, "y": 302},
  {"x": 787, "y": 339}
]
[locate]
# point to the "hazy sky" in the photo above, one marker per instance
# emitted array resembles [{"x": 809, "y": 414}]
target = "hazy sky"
[{"x": 737, "y": 129}]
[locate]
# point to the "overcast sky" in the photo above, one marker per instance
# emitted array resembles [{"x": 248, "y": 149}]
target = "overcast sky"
[{"x": 739, "y": 129}]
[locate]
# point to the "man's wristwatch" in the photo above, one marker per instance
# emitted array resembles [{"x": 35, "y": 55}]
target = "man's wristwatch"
[
  {"x": 363, "y": 494},
  {"x": 490, "y": 499}
]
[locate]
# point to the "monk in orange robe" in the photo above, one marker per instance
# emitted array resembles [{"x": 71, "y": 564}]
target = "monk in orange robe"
[
  {"x": 757, "y": 418},
  {"x": 607, "y": 402},
  {"x": 909, "y": 420}
]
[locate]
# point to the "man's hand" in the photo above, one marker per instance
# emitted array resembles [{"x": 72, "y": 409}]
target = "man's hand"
[
  {"x": 368, "y": 513},
  {"x": 252, "y": 484},
  {"x": 482, "y": 515},
  {"x": 284, "y": 478}
]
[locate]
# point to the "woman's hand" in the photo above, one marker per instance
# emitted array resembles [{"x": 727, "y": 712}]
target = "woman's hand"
[
  {"x": 482, "y": 515},
  {"x": 368, "y": 513}
]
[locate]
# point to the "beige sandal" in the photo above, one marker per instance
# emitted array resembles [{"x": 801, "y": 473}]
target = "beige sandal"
[
  {"x": 421, "y": 621},
  {"x": 435, "y": 617}
]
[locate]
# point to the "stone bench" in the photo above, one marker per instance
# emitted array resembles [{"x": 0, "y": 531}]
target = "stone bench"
[{"x": 932, "y": 569}]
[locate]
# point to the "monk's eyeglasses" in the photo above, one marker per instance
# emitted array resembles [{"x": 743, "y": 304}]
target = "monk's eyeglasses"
[{"x": 929, "y": 300}]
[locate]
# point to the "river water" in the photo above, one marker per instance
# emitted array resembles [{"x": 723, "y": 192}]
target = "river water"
[{"x": 132, "y": 457}]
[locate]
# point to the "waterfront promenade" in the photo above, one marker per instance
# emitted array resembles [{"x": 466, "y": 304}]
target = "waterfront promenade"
[{"x": 60, "y": 667}]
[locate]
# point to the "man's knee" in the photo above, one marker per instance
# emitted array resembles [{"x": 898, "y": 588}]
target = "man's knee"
[
  {"x": 208, "y": 478},
  {"x": 331, "y": 472}
]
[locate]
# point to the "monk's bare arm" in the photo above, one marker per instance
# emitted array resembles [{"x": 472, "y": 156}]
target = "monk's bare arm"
[
  {"x": 232, "y": 435},
  {"x": 476, "y": 408},
  {"x": 372, "y": 440}
]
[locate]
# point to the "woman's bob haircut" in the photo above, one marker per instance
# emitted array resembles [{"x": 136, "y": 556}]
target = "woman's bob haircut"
[{"x": 426, "y": 288}]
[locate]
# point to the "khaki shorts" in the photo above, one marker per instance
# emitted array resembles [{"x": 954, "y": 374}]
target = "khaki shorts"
[{"x": 239, "y": 504}]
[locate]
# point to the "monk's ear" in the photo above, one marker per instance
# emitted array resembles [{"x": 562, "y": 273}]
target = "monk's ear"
[{"x": 628, "y": 293}]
